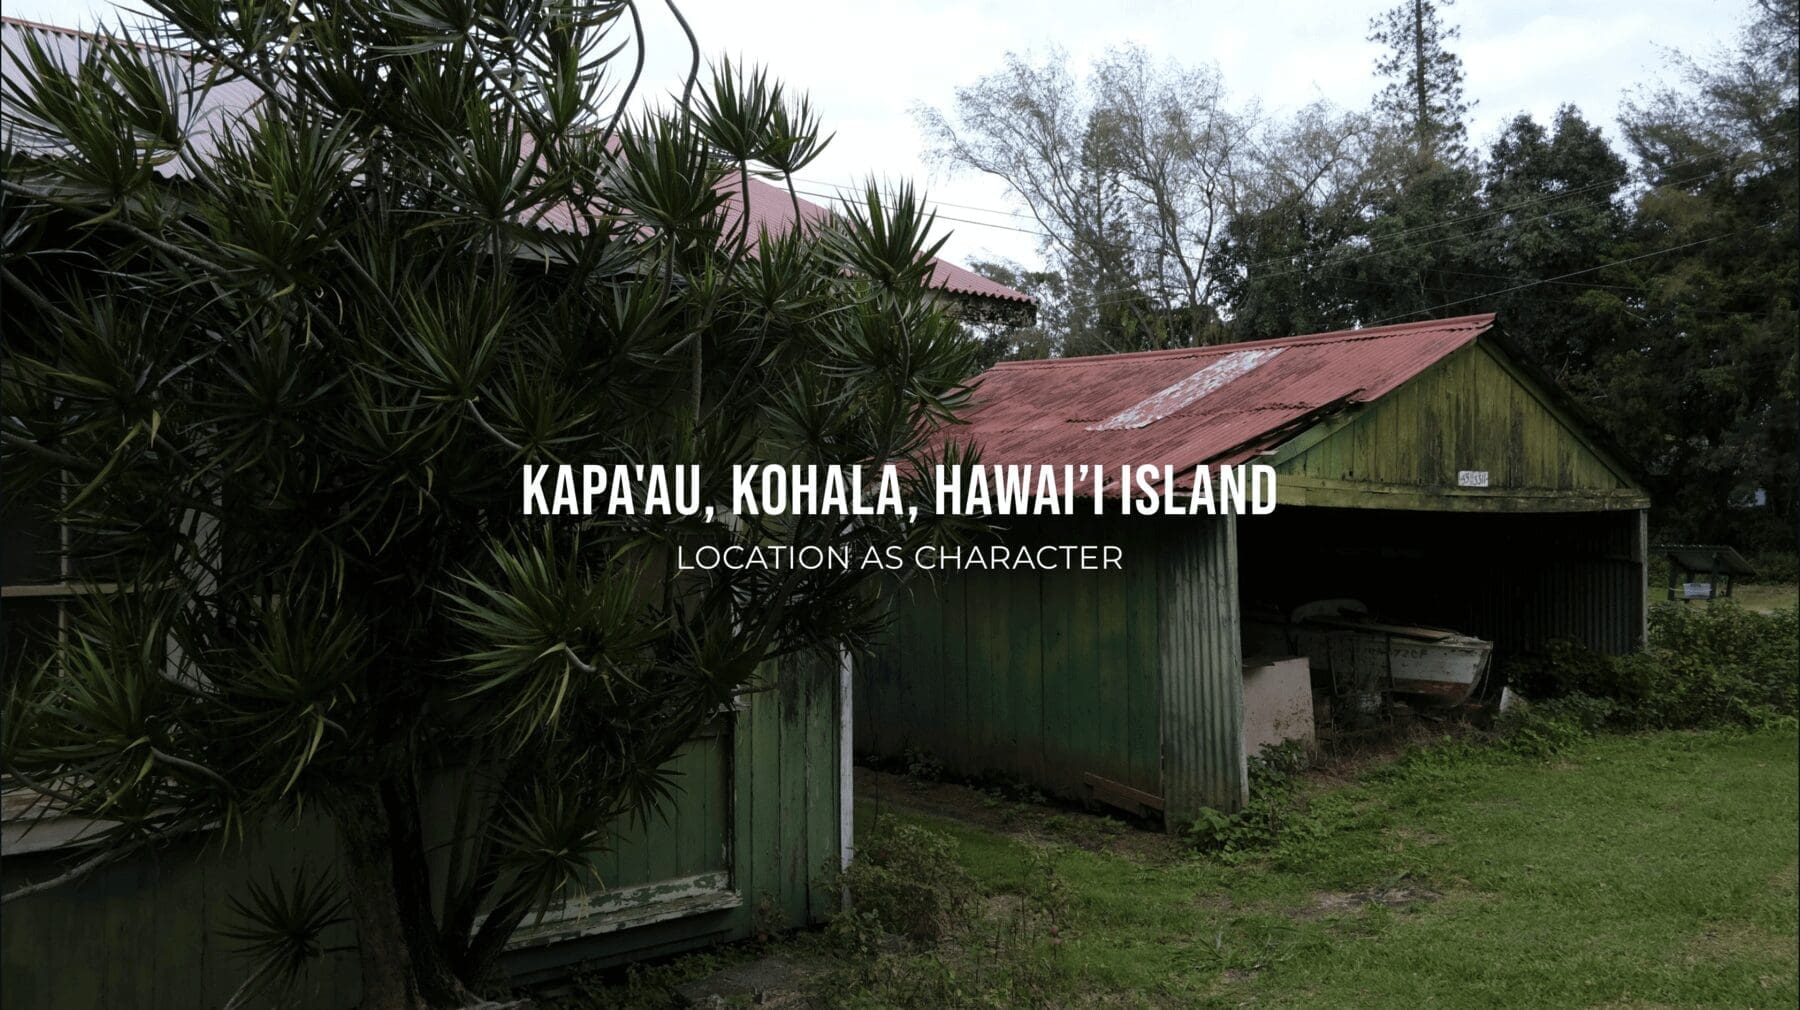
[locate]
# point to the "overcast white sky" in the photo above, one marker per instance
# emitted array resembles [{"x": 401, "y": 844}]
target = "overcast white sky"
[{"x": 867, "y": 64}]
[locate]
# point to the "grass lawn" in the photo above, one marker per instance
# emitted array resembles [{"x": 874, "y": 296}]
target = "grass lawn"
[
  {"x": 1762, "y": 597},
  {"x": 1630, "y": 871}
]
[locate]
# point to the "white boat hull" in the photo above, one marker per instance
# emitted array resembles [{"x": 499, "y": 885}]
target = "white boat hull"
[{"x": 1428, "y": 665}]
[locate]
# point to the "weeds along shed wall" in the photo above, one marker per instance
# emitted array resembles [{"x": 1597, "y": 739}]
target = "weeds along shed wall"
[
  {"x": 749, "y": 841},
  {"x": 1422, "y": 469},
  {"x": 1055, "y": 678}
]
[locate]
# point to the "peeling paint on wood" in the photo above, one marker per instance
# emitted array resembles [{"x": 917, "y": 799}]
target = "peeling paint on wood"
[{"x": 691, "y": 876}]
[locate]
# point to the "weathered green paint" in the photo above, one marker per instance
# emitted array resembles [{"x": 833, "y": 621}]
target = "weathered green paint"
[
  {"x": 1474, "y": 410},
  {"x": 1050, "y": 676},
  {"x": 750, "y": 832},
  {"x": 1135, "y": 677}
]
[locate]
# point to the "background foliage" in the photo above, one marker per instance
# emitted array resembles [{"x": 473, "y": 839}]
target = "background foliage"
[{"x": 1652, "y": 273}]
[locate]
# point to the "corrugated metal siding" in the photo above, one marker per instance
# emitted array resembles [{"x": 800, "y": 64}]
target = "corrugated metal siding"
[
  {"x": 1517, "y": 580},
  {"x": 1202, "y": 673},
  {"x": 1576, "y": 578},
  {"x": 1041, "y": 676},
  {"x": 761, "y": 800}
]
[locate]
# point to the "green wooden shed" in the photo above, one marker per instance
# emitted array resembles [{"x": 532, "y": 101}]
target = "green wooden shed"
[
  {"x": 1423, "y": 469},
  {"x": 758, "y": 824}
]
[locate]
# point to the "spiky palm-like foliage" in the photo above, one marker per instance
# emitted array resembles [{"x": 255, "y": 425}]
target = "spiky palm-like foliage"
[{"x": 293, "y": 291}]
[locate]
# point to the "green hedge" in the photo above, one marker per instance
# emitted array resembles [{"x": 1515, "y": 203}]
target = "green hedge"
[{"x": 1720, "y": 665}]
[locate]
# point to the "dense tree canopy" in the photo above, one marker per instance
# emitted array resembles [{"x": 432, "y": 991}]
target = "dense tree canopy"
[
  {"x": 294, "y": 291},
  {"x": 1130, "y": 172},
  {"x": 1653, "y": 279}
]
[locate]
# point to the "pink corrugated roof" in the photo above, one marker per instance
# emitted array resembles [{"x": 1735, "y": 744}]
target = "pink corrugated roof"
[
  {"x": 1182, "y": 408},
  {"x": 770, "y": 206}
]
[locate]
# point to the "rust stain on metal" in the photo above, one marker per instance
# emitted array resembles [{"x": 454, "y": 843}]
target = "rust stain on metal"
[
  {"x": 1190, "y": 406},
  {"x": 1188, "y": 391}
]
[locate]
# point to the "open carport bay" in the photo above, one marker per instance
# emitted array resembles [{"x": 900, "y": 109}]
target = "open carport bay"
[{"x": 1517, "y": 579}]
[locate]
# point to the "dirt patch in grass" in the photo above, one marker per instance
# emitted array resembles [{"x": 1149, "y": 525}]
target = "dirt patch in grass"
[
  {"x": 1727, "y": 940},
  {"x": 775, "y": 981},
  {"x": 1230, "y": 979},
  {"x": 1787, "y": 880},
  {"x": 1342, "y": 759},
  {"x": 1038, "y": 822},
  {"x": 1416, "y": 837},
  {"x": 1330, "y": 903}
]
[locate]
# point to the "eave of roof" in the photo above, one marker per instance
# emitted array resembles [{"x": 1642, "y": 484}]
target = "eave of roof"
[{"x": 770, "y": 207}]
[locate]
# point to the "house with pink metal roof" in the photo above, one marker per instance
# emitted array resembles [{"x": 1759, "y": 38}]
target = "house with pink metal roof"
[{"x": 748, "y": 838}]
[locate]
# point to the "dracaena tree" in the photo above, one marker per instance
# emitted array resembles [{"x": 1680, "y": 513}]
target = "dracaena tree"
[{"x": 293, "y": 292}]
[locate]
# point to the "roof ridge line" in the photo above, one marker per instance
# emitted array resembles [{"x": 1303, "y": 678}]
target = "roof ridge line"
[{"x": 1481, "y": 320}]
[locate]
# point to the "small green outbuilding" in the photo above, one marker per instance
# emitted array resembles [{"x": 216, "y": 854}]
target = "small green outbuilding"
[{"x": 1423, "y": 469}]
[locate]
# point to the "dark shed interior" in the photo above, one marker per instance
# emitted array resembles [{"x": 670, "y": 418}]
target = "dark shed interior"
[{"x": 1518, "y": 580}]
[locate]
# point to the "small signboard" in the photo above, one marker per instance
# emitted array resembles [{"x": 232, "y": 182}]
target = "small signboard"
[
  {"x": 1696, "y": 590},
  {"x": 1471, "y": 478}
]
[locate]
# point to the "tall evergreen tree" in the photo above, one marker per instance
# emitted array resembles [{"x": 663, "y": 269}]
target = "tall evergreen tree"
[
  {"x": 1705, "y": 392},
  {"x": 1424, "y": 93}
]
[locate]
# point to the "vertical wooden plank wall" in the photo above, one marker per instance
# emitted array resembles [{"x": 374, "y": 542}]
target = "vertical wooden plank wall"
[
  {"x": 761, "y": 798},
  {"x": 1473, "y": 410},
  {"x": 143, "y": 933}
]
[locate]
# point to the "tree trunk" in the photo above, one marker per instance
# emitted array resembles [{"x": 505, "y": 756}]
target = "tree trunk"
[
  {"x": 402, "y": 966},
  {"x": 1422, "y": 110}
]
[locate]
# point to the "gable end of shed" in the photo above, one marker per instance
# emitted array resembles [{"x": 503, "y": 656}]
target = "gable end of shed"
[{"x": 1472, "y": 432}]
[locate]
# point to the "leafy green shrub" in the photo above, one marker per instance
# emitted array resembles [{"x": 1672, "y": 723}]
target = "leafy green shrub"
[
  {"x": 922, "y": 765},
  {"x": 1549, "y": 727},
  {"x": 1720, "y": 665},
  {"x": 1775, "y": 567},
  {"x": 1275, "y": 813},
  {"x": 905, "y": 879}
]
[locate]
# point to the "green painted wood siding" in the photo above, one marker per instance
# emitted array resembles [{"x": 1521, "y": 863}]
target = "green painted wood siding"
[
  {"x": 757, "y": 801},
  {"x": 1472, "y": 411},
  {"x": 1045, "y": 677}
]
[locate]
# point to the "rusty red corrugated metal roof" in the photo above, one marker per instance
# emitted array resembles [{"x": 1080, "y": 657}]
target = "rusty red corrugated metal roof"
[{"x": 1186, "y": 407}]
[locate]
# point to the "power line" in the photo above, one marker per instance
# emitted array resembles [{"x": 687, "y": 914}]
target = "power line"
[
  {"x": 1559, "y": 277},
  {"x": 1253, "y": 269},
  {"x": 1340, "y": 261},
  {"x": 1489, "y": 212}
]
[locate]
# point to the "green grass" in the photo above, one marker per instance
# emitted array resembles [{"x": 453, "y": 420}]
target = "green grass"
[
  {"x": 1630, "y": 871},
  {"x": 1764, "y": 598}
]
